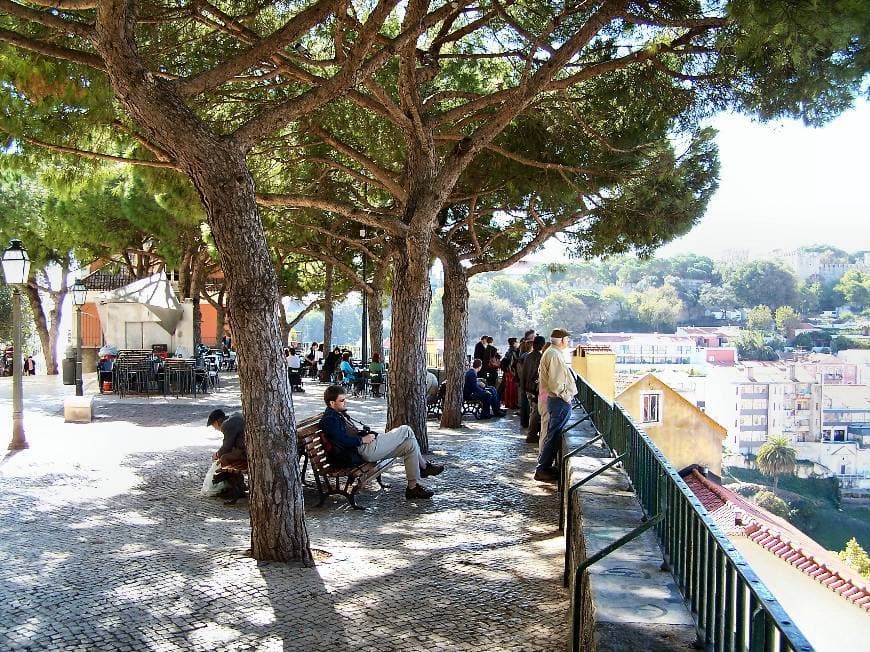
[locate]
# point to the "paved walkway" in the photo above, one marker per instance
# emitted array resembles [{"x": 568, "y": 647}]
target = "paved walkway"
[{"x": 107, "y": 544}]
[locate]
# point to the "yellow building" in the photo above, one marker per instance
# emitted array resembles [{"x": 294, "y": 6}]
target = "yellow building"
[
  {"x": 596, "y": 364},
  {"x": 683, "y": 432}
]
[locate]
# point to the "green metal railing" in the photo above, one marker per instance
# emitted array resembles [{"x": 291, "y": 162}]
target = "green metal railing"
[{"x": 733, "y": 610}]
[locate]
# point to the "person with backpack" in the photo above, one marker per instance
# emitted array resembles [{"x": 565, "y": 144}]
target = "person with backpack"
[
  {"x": 232, "y": 449},
  {"x": 350, "y": 443},
  {"x": 529, "y": 381}
]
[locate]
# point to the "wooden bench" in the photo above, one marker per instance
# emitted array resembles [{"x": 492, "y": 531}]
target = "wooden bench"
[{"x": 328, "y": 478}]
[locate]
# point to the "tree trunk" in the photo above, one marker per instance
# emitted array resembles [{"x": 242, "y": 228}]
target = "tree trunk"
[
  {"x": 328, "y": 298},
  {"x": 196, "y": 288},
  {"x": 48, "y": 329},
  {"x": 285, "y": 327},
  {"x": 35, "y": 301},
  {"x": 455, "y": 302},
  {"x": 376, "y": 310},
  {"x": 412, "y": 295},
  {"x": 220, "y": 317},
  {"x": 277, "y": 517}
]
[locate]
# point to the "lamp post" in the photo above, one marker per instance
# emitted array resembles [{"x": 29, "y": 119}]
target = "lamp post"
[
  {"x": 80, "y": 294},
  {"x": 365, "y": 308},
  {"x": 16, "y": 270}
]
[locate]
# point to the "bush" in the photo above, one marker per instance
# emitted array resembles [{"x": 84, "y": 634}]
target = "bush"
[
  {"x": 748, "y": 489},
  {"x": 802, "y": 515},
  {"x": 773, "y": 504}
]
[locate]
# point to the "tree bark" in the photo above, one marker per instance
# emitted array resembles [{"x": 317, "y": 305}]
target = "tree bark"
[
  {"x": 220, "y": 317},
  {"x": 197, "y": 286},
  {"x": 217, "y": 168},
  {"x": 455, "y": 302},
  {"x": 328, "y": 299},
  {"x": 412, "y": 295},
  {"x": 35, "y": 301},
  {"x": 48, "y": 329},
  {"x": 376, "y": 310},
  {"x": 277, "y": 517},
  {"x": 285, "y": 327}
]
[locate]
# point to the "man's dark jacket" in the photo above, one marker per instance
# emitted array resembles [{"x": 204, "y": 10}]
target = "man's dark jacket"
[
  {"x": 530, "y": 371},
  {"x": 343, "y": 436},
  {"x": 233, "y": 429}
]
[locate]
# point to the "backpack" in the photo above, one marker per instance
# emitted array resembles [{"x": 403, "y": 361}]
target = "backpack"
[{"x": 507, "y": 361}]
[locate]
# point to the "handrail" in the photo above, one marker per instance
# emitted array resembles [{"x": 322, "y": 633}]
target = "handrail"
[{"x": 733, "y": 609}]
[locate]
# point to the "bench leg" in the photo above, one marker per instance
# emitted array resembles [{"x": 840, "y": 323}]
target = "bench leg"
[
  {"x": 381, "y": 483},
  {"x": 352, "y": 499},
  {"x": 323, "y": 494}
]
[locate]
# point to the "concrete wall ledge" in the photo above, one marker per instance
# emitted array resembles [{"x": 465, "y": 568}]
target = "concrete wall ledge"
[{"x": 632, "y": 604}]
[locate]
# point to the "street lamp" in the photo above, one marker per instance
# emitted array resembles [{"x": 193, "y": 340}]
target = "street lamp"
[
  {"x": 16, "y": 271},
  {"x": 80, "y": 294},
  {"x": 365, "y": 307}
]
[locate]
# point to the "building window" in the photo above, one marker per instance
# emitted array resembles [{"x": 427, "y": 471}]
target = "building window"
[{"x": 651, "y": 407}]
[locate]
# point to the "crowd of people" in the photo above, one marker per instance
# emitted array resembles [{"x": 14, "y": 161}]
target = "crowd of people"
[
  {"x": 536, "y": 379},
  {"x": 533, "y": 376}
]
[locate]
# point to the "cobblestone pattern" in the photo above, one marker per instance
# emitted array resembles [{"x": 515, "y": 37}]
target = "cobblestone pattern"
[{"x": 107, "y": 544}]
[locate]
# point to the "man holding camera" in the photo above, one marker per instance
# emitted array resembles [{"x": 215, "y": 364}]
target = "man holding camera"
[{"x": 353, "y": 443}]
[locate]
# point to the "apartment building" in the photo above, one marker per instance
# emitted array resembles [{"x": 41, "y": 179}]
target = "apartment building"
[
  {"x": 757, "y": 400},
  {"x": 646, "y": 348}
]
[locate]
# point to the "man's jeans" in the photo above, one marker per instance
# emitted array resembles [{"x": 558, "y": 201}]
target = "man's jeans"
[
  {"x": 398, "y": 442},
  {"x": 559, "y": 413}
]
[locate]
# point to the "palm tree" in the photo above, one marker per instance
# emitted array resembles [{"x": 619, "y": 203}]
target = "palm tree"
[{"x": 775, "y": 458}]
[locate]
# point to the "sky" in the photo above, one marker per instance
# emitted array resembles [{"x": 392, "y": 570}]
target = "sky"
[{"x": 783, "y": 185}]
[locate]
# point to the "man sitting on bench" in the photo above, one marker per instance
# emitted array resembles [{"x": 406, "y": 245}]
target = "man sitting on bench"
[
  {"x": 488, "y": 396},
  {"x": 352, "y": 445},
  {"x": 232, "y": 450}
]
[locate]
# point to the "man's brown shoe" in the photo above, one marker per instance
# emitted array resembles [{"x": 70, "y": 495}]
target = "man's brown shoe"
[
  {"x": 419, "y": 491},
  {"x": 547, "y": 475},
  {"x": 431, "y": 469}
]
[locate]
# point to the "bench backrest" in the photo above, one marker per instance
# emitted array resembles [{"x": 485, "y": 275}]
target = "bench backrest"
[{"x": 308, "y": 434}]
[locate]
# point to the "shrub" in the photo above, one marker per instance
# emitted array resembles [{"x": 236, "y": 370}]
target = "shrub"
[
  {"x": 748, "y": 489},
  {"x": 773, "y": 504}
]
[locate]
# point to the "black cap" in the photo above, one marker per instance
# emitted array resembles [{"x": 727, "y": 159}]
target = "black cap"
[{"x": 216, "y": 415}]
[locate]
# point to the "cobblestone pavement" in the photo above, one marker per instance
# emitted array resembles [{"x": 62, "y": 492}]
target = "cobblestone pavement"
[{"x": 107, "y": 545}]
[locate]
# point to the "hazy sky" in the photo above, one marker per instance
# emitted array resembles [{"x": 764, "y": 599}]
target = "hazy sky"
[{"x": 783, "y": 185}]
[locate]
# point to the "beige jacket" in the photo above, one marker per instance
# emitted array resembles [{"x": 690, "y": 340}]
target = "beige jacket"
[{"x": 555, "y": 376}]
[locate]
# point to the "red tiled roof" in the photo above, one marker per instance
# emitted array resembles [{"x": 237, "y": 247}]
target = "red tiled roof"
[{"x": 737, "y": 516}]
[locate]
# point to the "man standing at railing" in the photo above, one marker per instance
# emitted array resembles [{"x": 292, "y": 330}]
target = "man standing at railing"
[{"x": 557, "y": 380}]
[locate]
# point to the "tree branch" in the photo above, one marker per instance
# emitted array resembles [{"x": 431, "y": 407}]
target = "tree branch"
[
  {"x": 369, "y": 218},
  {"x": 227, "y": 69},
  {"x": 52, "y": 51},
  {"x": 61, "y": 149}
]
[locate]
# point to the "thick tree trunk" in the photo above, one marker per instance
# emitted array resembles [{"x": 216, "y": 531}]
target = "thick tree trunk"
[
  {"x": 455, "y": 302},
  {"x": 328, "y": 299},
  {"x": 277, "y": 517},
  {"x": 412, "y": 295}
]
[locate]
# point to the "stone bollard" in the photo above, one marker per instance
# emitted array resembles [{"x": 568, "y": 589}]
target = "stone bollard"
[{"x": 78, "y": 409}]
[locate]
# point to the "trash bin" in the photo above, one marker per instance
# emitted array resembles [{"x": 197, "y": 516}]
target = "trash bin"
[{"x": 68, "y": 366}]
